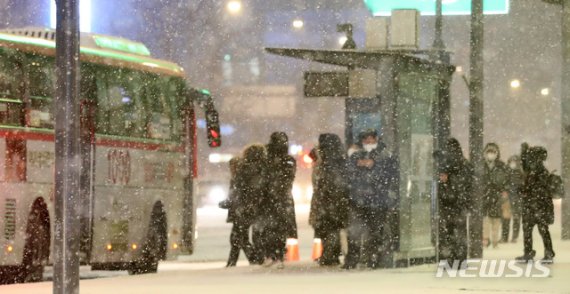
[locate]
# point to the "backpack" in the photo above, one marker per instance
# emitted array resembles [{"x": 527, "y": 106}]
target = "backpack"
[{"x": 556, "y": 186}]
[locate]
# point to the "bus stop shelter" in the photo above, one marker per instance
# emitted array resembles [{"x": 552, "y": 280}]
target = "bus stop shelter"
[{"x": 405, "y": 95}]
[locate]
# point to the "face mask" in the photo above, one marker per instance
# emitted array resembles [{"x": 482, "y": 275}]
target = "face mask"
[
  {"x": 491, "y": 156},
  {"x": 513, "y": 165},
  {"x": 370, "y": 147}
]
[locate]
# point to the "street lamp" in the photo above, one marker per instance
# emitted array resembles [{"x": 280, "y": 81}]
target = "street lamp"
[
  {"x": 515, "y": 84},
  {"x": 234, "y": 6},
  {"x": 298, "y": 24}
]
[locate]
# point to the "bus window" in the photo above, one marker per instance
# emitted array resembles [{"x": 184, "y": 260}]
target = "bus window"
[
  {"x": 119, "y": 111},
  {"x": 41, "y": 81},
  {"x": 157, "y": 107},
  {"x": 11, "y": 82}
]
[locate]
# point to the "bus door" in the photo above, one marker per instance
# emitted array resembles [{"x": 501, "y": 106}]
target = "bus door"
[
  {"x": 190, "y": 151},
  {"x": 87, "y": 151}
]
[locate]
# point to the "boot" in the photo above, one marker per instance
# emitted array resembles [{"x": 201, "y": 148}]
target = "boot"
[
  {"x": 548, "y": 257},
  {"x": 528, "y": 256}
]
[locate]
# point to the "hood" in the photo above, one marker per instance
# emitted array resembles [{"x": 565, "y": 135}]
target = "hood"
[
  {"x": 278, "y": 144},
  {"x": 493, "y": 146},
  {"x": 254, "y": 154},
  {"x": 330, "y": 147},
  {"x": 453, "y": 148}
]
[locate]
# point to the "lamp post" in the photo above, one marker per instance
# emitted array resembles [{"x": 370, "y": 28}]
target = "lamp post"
[
  {"x": 565, "y": 115},
  {"x": 67, "y": 150},
  {"x": 476, "y": 125}
]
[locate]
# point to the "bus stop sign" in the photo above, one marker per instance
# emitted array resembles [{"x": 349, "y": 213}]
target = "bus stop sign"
[{"x": 427, "y": 7}]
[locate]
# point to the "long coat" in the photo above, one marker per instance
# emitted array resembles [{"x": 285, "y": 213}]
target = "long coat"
[
  {"x": 371, "y": 187},
  {"x": 494, "y": 183},
  {"x": 455, "y": 195},
  {"x": 537, "y": 205},
  {"x": 250, "y": 188},
  {"x": 279, "y": 206},
  {"x": 329, "y": 205}
]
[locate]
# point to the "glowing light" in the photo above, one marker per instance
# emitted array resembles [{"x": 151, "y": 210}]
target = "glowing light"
[
  {"x": 342, "y": 40},
  {"x": 175, "y": 246},
  {"x": 307, "y": 159},
  {"x": 234, "y": 7},
  {"x": 9, "y": 248},
  {"x": 217, "y": 194},
  {"x": 84, "y": 12},
  {"x": 545, "y": 92},
  {"x": 298, "y": 24},
  {"x": 134, "y": 246},
  {"x": 295, "y": 149},
  {"x": 297, "y": 192},
  {"x": 219, "y": 158},
  {"x": 309, "y": 192},
  {"x": 459, "y": 69},
  {"x": 515, "y": 84},
  {"x": 109, "y": 247},
  {"x": 292, "y": 241}
]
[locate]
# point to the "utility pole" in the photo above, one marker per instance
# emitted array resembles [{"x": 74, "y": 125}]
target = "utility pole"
[
  {"x": 565, "y": 115},
  {"x": 565, "y": 129},
  {"x": 67, "y": 154},
  {"x": 476, "y": 125}
]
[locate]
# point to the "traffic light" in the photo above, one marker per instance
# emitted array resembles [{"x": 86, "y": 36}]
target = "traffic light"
[{"x": 213, "y": 128}]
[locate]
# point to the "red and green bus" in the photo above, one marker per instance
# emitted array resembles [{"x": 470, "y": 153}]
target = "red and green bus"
[{"x": 138, "y": 150}]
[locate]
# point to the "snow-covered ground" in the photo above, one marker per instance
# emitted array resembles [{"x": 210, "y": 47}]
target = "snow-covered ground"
[{"x": 204, "y": 272}]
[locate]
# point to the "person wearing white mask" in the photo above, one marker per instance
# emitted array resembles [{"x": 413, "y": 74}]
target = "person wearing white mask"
[
  {"x": 494, "y": 194},
  {"x": 372, "y": 178}
]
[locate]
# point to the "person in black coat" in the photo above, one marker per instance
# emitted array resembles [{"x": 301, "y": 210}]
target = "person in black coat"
[
  {"x": 494, "y": 194},
  {"x": 329, "y": 206},
  {"x": 248, "y": 190},
  {"x": 537, "y": 206},
  {"x": 228, "y": 204},
  {"x": 277, "y": 222},
  {"x": 372, "y": 178},
  {"x": 454, "y": 202}
]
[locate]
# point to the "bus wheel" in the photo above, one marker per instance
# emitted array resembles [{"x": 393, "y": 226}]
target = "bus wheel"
[
  {"x": 154, "y": 247},
  {"x": 36, "y": 249}
]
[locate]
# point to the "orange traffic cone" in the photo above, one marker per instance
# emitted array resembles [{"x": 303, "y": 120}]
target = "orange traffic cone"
[
  {"x": 317, "y": 248},
  {"x": 292, "y": 250}
]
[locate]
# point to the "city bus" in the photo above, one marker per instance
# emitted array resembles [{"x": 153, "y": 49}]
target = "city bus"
[{"x": 138, "y": 150}]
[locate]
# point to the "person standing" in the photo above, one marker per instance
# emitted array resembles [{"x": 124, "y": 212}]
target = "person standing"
[
  {"x": 514, "y": 185},
  {"x": 278, "y": 219},
  {"x": 329, "y": 206},
  {"x": 229, "y": 204},
  {"x": 372, "y": 177},
  {"x": 454, "y": 202},
  {"x": 248, "y": 190},
  {"x": 494, "y": 194},
  {"x": 537, "y": 206}
]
